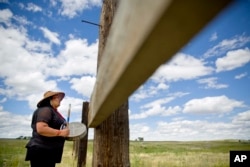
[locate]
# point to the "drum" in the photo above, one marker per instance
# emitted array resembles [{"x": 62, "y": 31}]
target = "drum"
[{"x": 77, "y": 131}]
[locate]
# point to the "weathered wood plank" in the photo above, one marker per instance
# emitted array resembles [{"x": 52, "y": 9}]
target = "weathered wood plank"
[{"x": 144, "y": 35}]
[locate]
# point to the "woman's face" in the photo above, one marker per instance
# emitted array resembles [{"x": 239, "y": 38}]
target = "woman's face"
[{"x": 56, "y": 100}]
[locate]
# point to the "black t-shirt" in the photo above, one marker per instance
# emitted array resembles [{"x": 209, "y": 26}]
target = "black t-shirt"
[{"x": 54, "y": 120}]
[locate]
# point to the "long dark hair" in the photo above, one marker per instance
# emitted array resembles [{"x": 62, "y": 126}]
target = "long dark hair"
[{"x": 45, "y": 103}]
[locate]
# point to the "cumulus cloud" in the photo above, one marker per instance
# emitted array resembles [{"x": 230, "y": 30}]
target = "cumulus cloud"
[
  {"x": 139, "y": 130},
  {"x": 243, "y": 117},
  {"x": 14, "y": 125},
  {"x": 71, "y": 8},
  {"x": 156, "y": 110},
  {"x": 77, "y": 58},
  {"x": 36, "y": 68},
  {"x": 212, "y": 105},
  {"x": 27, "y": 77},
  {"x": 193, "y": 130},
  {"x": 202, "y": 130},
  {"x": 182, "y": 67},
  {"x": 233, "y": 59},
  {"x": 5, "y": 16},
  {"x": 159, "y": 102},
  {"x": 158, "y": 107},
  {"x": 76, "y": 106},
  {"x": 146, "y": 91},
  {"x": 83, "y": 85}
]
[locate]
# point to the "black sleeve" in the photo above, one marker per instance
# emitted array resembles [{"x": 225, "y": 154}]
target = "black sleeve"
[{"x": 44, "y": 115}]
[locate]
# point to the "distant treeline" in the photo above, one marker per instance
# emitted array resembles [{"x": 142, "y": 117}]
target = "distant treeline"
[
  {"x": 244, "y": 141},
  {"x": 23, "y": 137}
]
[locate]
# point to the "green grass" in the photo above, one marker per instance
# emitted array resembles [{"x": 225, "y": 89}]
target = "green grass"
[
  {"x": 142, "y": 154},
  {"x": 12, "y": 153},
  {"x": 184, "y": 154}
]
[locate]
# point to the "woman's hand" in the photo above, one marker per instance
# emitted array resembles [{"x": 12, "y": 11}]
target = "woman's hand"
[
  {"x": 44, "y": 130},
  {"x": 64, "y": 132}
]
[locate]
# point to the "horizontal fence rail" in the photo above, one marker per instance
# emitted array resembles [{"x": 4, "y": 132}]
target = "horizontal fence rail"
[{"x": 144, "y": 35}]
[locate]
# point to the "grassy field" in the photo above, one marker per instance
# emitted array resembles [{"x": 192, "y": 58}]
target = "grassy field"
[{"x": 142, "y": 154}]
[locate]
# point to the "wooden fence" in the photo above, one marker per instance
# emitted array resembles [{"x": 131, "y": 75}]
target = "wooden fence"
[{"x": 144, "y": 34}]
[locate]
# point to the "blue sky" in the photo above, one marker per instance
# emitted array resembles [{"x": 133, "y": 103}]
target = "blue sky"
[{"x": 202, "y": 93}]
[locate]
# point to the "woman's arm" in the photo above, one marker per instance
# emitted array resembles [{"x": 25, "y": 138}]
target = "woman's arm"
[{"x": 43, "y": 129}]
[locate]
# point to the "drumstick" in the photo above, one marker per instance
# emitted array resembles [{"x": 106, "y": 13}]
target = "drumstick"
[{"x": 68, "y": 114}]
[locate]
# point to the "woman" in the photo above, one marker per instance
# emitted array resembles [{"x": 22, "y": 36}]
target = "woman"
[{"x": 45, "y": 147}]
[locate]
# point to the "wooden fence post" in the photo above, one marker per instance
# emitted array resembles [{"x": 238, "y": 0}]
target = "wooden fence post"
[
  {"x": 83, "y": 143},
  {"x": 111, "y": 140},
  {"x": 111, "y": 137}
]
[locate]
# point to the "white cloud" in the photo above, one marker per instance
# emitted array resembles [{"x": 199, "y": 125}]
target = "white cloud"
[
  {"x": 14, "y": 125},
  {"x": 22, "y": 20},
  {"x": 33, "y": 7},
  {"x": 27, "y": 77},
  {"x": 51, "y": 36},
  {"x": 158, "y": 107},
  {"x": 26, "y": 84},
  {"x": 233, "y": 59},
  {"x": 171, "y": 111},
  {"x": 241, "y": 75},
  {"x": 71, "y": 8},
  {"x": 76, "y": 105},
  {"x": 37, "y": 47},
  {"x": 242, "y": 118},
  {"x": 211, "y": 83},
  {"x": 83, "y": 85},
  {"x": 153, "y": 111},
  {"x": 138, "y": 130},
  {"x": 188, "y": 130},
  {"x": 213, "y": 37},
  {"x": 158, "y": 102},
  {"x": 162, "y": 86},
  {"x": 31, "y": 77},
  {"x": 77, "y": 58},
  {"x": 34, "y": 63},
  {"x": 226, "y": 45},
  {"x": 212, "y": 105},
  {"x": 145, "y": 91},
  {"x": 5, "y": 16},
  {"x": 182, "y": 67},
  {"x": 139, "y": 94},
  {"x": 199, "y": 130},
  {"x": 15, "y": 79}
]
